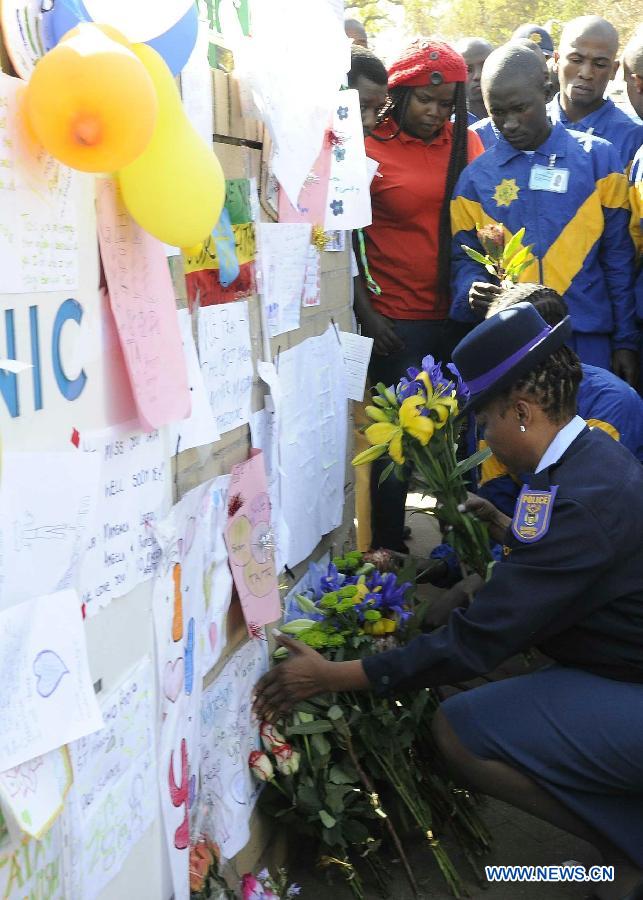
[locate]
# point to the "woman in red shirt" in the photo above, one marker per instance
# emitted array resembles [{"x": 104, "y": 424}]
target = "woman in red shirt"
[{"x": 402, "y": 299}]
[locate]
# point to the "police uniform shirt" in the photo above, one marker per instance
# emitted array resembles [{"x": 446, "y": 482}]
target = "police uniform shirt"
[{"x": 571, "y": 582}]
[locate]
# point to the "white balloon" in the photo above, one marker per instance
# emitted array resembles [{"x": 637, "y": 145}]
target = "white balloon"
[{"x": 141, "y": 20}]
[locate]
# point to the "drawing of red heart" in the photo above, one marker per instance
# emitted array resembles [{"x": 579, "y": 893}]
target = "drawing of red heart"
[
  {"x": 173, "y": 679},
  {"x": 213, "y": 633}
]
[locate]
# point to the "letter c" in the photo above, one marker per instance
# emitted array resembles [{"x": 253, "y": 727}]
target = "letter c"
[{"x": 71, "y": 389}]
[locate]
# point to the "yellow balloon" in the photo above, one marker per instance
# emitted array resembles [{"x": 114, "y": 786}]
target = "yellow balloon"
[
  {"x": 175, "y": 189},
  {"x": 91, "y": 103}
]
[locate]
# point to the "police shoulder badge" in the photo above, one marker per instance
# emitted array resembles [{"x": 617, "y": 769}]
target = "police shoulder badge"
[{"x": 533, "y": 514}]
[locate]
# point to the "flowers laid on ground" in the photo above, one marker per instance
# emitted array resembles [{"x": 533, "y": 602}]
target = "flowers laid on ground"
[
  {"x": 417, "y": 423},
  {"x": 206, "y": 881},
  {"x": 351, "y": 771},
  {"x": 506, "y": 260},
  {"x": 263, "y": 886}
]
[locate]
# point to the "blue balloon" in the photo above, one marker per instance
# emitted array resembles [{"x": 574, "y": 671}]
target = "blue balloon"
[{"x": 175, "y": 45}]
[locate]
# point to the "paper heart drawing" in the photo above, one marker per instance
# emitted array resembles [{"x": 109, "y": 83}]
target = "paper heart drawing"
[
  {"x": 173, "y": 679},
  {"x": 49, "y": 670}
]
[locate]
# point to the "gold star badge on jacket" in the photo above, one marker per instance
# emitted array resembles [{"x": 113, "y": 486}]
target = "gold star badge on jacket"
[{"x": 506, "y": 192}]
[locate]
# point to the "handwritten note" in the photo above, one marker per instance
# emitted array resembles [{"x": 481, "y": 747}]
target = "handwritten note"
[
  {"x": 196, "y": 87},
  {"x": 251, "y": 543},
  {"x": 46, "y": 693},
  {"x": 132, "y": 484},
  {"x": 179, "y": 614},
  {"x": 283, "y": 254},
  {"x": 312, "y": 282},
  {"x": 311, "y": 204},
  {"x": 228, "y": 735},
  {"x": 199, "y": 428},
  {"x": 113, "y": 801},
  {"x": 47, "y": 507},
  {"x": 226, "y": 362},
  {"x": 357, "y": 355},
  {"x": 142, "y": 298},
  {"x": 264, "y": 429},
  {"x": 217, "y": 578},
  {"x": 312, "y": 441},
  {"x": 348, "y": 204},
  {"x": 35, "y": 791},
  {"x": 39, "y": 202}
]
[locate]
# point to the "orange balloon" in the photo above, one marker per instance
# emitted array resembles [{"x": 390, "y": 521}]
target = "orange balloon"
[{"x": 91, "y": 102}]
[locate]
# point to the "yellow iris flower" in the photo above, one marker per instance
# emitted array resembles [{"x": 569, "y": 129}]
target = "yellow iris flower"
[
  {"x": 418, "y": 426},
  {"x": 387, "y": 434}
]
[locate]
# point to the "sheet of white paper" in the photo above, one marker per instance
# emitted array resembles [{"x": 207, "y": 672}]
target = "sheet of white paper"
[
  {"x": 46, "y": 693},
  {"x": 12, "y": 365},
  {"x": 199, "y": 428},
  {"x": 349, "y": 197},
  {"x": 264, "y": 431},
  {"x": 39, "y": 200},
  {"x": 179, "y": 615},
  {"x": 228, "y": 735},
  {"x": 226, "y": 362},
  {"x": 196, "y": 87},
  {"x": 357, "y": 355},
  {"x": 115, "y": 795},
  {"x": 34, "y": 792},
  {"x": 312, "y": 282},
  {"x": 133, "y": 485},
  {"x": 35, "y": 870},
  {"x": 295, "y": 109},
  {"x": 217, "y": 581},
  {"x": 45, "y": 521},
  {"x": 312, "y": 441},
  {"x": 283, "y": 250}
]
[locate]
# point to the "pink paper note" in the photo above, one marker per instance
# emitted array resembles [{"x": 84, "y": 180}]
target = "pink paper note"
[
  {"x": 142, "y": 300},
  {"x": 251, "y": 545},
  {"x": 311, "y": 203}
]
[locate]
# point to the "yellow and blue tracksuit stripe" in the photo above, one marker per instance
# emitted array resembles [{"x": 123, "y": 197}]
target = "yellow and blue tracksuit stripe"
[
  {"x": 636, "y": 225},
  {"x": 605, "y": 402},
  {"x": 580, "y": 239},
  {"x": 608, "y": 122}
]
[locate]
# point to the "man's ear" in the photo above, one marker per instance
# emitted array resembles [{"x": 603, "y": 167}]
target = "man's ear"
[{"x": 556, "y": 61}]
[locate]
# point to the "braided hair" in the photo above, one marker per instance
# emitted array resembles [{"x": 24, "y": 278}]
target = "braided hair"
[
  {"x": 553, "y": 384},
  {"x": 396, "y": 107}
]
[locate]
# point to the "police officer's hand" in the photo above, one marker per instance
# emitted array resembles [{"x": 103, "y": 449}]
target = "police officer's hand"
[
  {"x": 496, "y": 521},
  {"x": 625, "y": 364},
  {"x": 481, "y": 296},
  {"x": 459, "y": 595},
  {"x": 378, "y": 327}
]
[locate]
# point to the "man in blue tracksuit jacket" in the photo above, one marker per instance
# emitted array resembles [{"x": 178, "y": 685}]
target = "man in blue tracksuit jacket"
[
  {"x": 570, "y": 193},
  {"x": 586, "y": 62}
]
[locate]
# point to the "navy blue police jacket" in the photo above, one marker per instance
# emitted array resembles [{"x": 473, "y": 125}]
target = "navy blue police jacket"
[{"x": 576, "y": 593}]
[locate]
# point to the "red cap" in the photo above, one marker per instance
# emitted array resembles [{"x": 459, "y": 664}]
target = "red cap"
[{"x": 427, "y": 62}]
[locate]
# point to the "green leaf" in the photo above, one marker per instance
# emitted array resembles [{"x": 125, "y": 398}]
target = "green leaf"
[
  {"x": 512, "y": 246},
  {"x": 385, "y": 474},
  {"x": 471, "y": 462},
  {"x": 321, "y": 745},
  {"x": 308, "y": 800},
  {"x": 340, "y": 775},
  {"x": 356, "y": 832},
  {"x": 477, "y": 257},
  {"x": 318, "y": 727},
  {"x": 335, "y": 712},
  {"x": 523, "y": 256},
  {"x": 326, "y": 819}
]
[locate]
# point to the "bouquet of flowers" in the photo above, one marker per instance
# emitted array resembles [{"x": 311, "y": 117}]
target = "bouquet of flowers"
[
  {"x": 507, "y": 260},
  {"x": 206, "y": 881},
  {"x": 264, "y": 886},
  {"x": 344, "y": 769},
  {"x": 417, "y": 423}
]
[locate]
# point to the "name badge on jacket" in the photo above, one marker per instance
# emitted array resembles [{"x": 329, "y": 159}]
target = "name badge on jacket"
[
  {"x": 533, "y": 514},
  {"x": 546, "y": 178}
]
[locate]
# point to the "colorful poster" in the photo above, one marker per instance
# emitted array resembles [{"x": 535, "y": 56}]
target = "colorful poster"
[
  {"x": 209, "y": 274},
  {"x": 229, "y": 733},
  {"x": 225, "y": 352},
  {"x": 133, "y": 493},
  {"x": 179, "y": 615},
  {"x": 348, "y": 204},
  {"x": 34, "y": 792},
  {"x": 142, "y": 299},
  {"x": 114, "y": 798},
  {"x": 311, "y": 204},
  {"x": 35, "y": 869},
  {"x": 251, "y": 543},
  {"x": 46, "y": 693}
]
